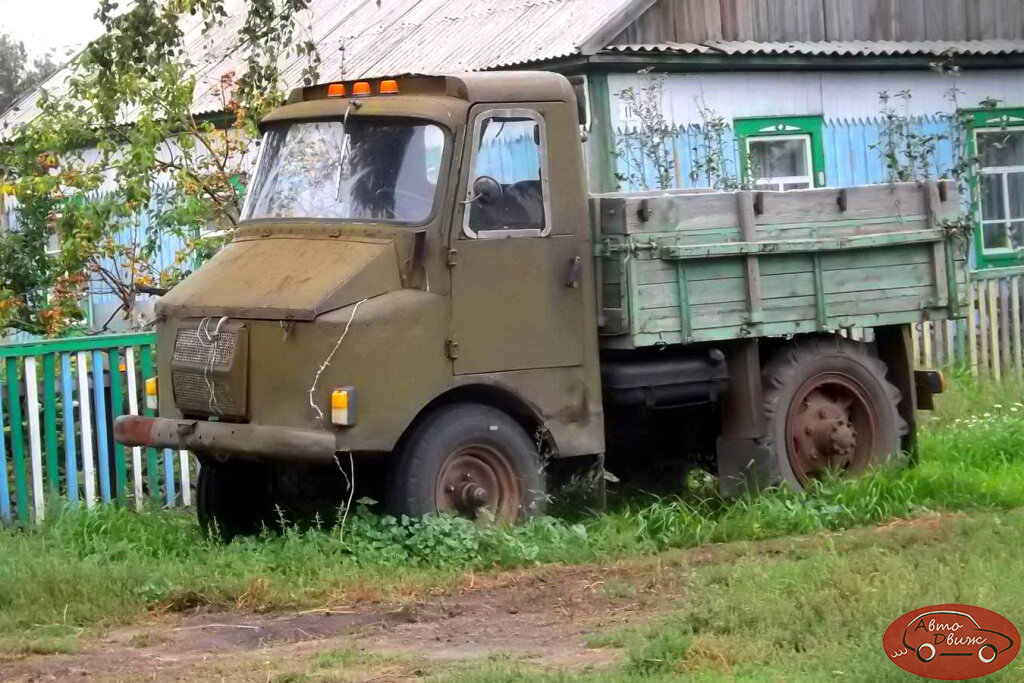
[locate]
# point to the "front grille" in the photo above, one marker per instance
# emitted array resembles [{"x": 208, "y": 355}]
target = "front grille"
[
  {"x": 193, "y": 346},
  {"x": 209, "y": 369},
  {"x": 192, "y": 390}
]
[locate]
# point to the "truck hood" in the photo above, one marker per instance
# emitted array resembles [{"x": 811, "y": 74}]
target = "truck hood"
[{"x": 286, "y": 277}]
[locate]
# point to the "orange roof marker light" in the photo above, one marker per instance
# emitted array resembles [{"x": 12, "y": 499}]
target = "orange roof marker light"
[
  {"x": 361, "y": 89},
  {"x": 336, "y": 90},
  {"x": 389, "y": 87}
]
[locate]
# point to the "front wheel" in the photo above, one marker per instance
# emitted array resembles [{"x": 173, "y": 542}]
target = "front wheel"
[
  {"x": 233, "y": 498},
  {"x": 468, "y": 459},
  {"x": 829, "y": 408}
]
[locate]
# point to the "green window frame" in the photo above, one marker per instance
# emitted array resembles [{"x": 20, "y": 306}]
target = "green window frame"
[
  {"x": 981, "y": 121},
  {"x": 808, "y": 128}
]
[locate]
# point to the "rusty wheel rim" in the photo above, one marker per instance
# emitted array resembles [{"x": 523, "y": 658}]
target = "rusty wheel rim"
[
  {"x": 476, "y": 478},
  {"x": 832, "y": 426}
]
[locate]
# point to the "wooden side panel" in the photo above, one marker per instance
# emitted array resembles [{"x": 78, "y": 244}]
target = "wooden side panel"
[{"x": 669, "y": 288}]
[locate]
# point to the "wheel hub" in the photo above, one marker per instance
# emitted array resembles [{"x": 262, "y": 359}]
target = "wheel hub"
[
  {"x": 831, "y": 426},
  {"x": 475, "y": 478}
]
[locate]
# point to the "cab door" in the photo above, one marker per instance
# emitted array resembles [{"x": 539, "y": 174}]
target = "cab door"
[{"x": 517, "y": 241}]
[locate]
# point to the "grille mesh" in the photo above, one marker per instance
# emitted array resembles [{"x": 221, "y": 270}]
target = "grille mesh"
[
  {"x": 192, "y": 392},
  {"x": 189, "y": 347}
]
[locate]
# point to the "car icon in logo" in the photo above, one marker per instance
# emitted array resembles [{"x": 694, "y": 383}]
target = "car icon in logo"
[{"x": 946, "y": 633}]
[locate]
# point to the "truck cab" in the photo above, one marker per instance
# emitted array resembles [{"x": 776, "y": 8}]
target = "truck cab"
[{"x": 412, "y": 291}]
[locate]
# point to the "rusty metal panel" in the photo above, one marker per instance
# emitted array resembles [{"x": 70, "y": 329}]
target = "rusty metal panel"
[{"x": 280, "y": 278}]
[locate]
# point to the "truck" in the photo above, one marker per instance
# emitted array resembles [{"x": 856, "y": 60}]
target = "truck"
[{"x": 423, "y": 296}]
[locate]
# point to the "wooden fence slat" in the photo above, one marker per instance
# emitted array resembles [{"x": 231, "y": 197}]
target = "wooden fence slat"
[
  {"x": 1015, "y": 314},
  {"x": 50, "y": 422},
  {"x": 186, "y": 478},
  {"x": 35, "y": 437},
  {"x": 949, "y": 328},
  {"x": 983, "y": 328},
  {"x": 133, "y": 408},
  {"x": 86, "y": 414},
  {"x": 169, "y": 477},
  {"x": 17, "y": 440},
  {"x": 116, "y": 408},
  {"x": 993, "y": 304},
  {"x": 67, "y": 395},
  {"x": 972, "y": 333},
  {"x": 1002, "y": 287},
  {"x": 5, "y": 494},
  {"x": 100, "y": 424},
  {"x": 926, "y": 336},
  {"x": 151, "y": 453}
]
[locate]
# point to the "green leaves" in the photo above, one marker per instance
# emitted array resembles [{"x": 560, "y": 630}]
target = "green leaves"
[{"x": 119, "y": 159}]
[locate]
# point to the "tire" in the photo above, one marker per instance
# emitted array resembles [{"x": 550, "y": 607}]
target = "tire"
[
  {"x": 466, "y": 458},
  {"x": 233, "y": 498},
  {"x": 828, "y": 406},
  {"x": 991, "y": 648},
  {"x": 931, "y": 651}
]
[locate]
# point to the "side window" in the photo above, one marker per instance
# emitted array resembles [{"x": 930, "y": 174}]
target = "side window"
[
  {"x": 781, "y": 162},
  {"x": 508, "y": 183},
  {"x": 1001, "y": 179},
  {"x": 782, "y": 153}
]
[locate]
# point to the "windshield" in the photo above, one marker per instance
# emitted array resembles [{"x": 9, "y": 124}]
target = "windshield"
[{"x": 367, "y": 169}]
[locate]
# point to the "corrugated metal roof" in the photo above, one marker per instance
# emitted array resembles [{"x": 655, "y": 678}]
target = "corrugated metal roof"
[
  {"x": 370, "y": 38},
  {"x": 864, "y": 48}
]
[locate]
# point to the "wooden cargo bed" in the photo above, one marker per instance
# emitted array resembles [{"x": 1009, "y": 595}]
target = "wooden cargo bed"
[{"x": 684, "y": 266}]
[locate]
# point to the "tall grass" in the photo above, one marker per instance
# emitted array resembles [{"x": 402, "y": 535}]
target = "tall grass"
[{"x": 109, "y": 565}]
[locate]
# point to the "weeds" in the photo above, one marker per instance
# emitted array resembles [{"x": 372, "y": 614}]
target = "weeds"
[{"x": 109, "y": 565}]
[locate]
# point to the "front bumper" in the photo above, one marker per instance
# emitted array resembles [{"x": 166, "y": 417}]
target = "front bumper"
[{"x": 263, "y": 441}]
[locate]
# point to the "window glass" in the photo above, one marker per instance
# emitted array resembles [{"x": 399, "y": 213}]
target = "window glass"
[
  {"x": 1001, "y": 148},
  {"x": 506, "y": 191},
  {"x": 383, "y": 170},
  {"x": 780, "y": 162},
  {"x": 1001, "y": 188},
  {"x": 992, "y": 204},
  {"x": 996, "y": 236}
]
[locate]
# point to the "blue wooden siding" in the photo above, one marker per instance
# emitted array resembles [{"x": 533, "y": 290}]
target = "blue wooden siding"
[{"x": 850, "y": 158}]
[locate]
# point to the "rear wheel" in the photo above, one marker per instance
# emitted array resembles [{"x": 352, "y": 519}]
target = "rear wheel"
[
  {"x": 468, "y": 459},
  {"x": 233, "y": 498},
  {"x": 829, "y": 409}
]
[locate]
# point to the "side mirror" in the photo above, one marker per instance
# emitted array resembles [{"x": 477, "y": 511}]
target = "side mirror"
[{"x": 486, "y": 190}]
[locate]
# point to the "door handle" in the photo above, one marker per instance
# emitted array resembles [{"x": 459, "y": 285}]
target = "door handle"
[{"x": 575, "y": 266}]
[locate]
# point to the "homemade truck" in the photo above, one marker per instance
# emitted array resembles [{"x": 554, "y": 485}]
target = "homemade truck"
[{"x": 421, "y": 279}]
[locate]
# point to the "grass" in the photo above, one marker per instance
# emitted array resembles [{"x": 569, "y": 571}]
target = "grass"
[
  {"x": 812, "y": 610},
  {"x": 85, "y": 570}
]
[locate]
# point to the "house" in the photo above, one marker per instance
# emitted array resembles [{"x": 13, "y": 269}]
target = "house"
[{"x": 774, "y": 93}]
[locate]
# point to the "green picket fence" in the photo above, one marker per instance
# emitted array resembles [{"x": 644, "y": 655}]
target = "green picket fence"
[{"x": 57, "y": 409}]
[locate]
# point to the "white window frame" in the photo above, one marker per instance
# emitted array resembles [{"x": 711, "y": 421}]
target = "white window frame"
[
  {"x": 505, "y": 232},
  {"x": 777, "y": 183},
  {"x": 1002, "y": 171}
]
